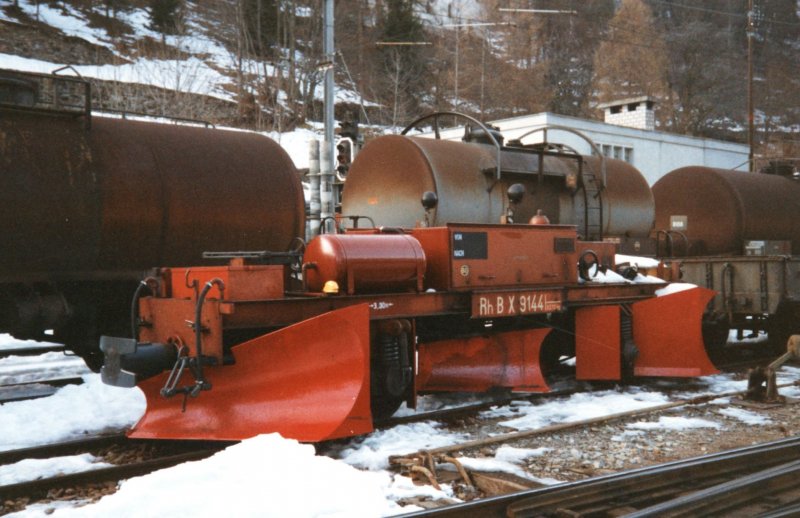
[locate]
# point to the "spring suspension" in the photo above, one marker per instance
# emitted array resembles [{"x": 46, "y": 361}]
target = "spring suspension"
[{"x": 393, "y": 351}]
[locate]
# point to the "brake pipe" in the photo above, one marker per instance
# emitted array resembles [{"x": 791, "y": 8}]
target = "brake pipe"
[
  {"x": 150, "y": 283},
  {"x": 202, "y": 384}
]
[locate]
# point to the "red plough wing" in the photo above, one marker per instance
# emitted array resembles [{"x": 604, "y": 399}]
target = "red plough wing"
[{"x": 308, "y": 381}]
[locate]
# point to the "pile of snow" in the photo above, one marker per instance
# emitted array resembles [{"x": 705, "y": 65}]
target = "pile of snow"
[
  {"x": 71, "y": 413},
  {"x": 266, "y": 476},
  {"x": 639, "y": 262}
]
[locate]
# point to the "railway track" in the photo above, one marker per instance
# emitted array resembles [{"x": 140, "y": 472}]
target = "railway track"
[
  {"x": 131, "y": 458},
  {"x": 35, "y": 389},
  {"x": 512, "y": 436},
  {"x": 562, "y": 387},
  {"x": 30, "y": 351},
  {"x": 754, "y": 480}
]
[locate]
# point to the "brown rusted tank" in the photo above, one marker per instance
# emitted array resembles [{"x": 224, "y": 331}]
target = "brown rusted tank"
[
  {"x": 126, "y": 195},
  {"x": 90, "y": 203},
  {"x": 389, "y": 176},
  {"x": 718, "y": 209},
  {"x": 364, "y": 263}
]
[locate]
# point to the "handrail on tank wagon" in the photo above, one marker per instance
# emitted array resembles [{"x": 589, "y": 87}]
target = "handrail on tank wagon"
[
  {"x": 29, "y": 91},
  {"x": 435, "y": 116},
  {"x": 543, "y": 128}
]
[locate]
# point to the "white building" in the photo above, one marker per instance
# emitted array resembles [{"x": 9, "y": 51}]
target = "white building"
[{"x": 628, "y": 135}]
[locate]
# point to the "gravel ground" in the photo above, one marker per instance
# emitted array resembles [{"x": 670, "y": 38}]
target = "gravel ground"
[{"x": 628, "y": 443}]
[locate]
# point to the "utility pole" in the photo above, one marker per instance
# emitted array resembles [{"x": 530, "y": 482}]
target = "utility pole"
[
  {"x": 327, "y": 160},
  {"x": 329, "y": 51},
  {"x": 750, "y": 108}
]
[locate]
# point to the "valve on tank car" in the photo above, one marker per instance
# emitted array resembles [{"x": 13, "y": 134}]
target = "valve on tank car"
[
  {"x": 429, "y": 202},
  {"x": 515, "y": 194}
]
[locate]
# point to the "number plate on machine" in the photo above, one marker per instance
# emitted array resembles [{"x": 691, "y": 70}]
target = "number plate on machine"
[{"x": 508, "y": 303}]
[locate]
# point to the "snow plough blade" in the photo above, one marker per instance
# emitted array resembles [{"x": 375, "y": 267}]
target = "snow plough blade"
[
  {"x": 479, "y": 363},
  {"x": 308, "y": 381},
  {"x": 668, "y": 332}
]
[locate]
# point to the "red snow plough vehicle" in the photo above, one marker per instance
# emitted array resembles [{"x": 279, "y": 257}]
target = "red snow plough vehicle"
[{"x": 383, "y": 315}]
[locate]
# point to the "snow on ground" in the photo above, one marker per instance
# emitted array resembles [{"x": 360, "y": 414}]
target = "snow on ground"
[
  {"x": 744, "y": 416},
  {"x": 27, "y": 369},
  {"x": 71, "y": 413},
  {"x": 268, "y": 475},
  {"x": 584, "y": 405},
  {"x": 674, "y": 423},
  {"x": 33, "y": 469},
  {"x": 199, "y": 74}
]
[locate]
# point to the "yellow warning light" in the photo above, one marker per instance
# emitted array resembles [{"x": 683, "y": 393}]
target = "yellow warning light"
[{"x": 330, "y": 287}]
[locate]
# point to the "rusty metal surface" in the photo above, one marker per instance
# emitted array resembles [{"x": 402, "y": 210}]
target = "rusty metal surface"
[
  {"x": 628, "y": 200},
  {"x": 389, "y": 176},
  {"x": 126, "y": 196},
  {"x": 725, "y": 208}
]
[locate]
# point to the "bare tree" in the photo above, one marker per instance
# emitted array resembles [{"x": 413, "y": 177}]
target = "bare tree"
[{"x": 632, "y": 60}]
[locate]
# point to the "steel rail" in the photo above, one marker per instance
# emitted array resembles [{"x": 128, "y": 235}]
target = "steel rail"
[
  {"x": 61, "y": 448},
  {"x": 39, "y": 488},
  {"x": 728, "y": 495},
  {"x": 35, "y": 389},
  {"x": 502, "y": 438},
  {"x": 616, "y": 490},
  {"x": 31, "y": 351}
]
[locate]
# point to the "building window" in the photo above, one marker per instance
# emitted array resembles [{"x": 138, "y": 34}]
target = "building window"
[{"x": 619, "y": 152}]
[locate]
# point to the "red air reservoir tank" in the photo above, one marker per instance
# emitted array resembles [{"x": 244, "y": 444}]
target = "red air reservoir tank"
[{"x": 364, "y": 263}]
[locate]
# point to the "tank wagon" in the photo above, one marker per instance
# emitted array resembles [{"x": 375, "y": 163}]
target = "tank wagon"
[
  {"x": 735, "y": 233},
  {"x": 605, "y": 199},
  {"x": 90, "y": 203},
  {"x": 387, "y": 313}
]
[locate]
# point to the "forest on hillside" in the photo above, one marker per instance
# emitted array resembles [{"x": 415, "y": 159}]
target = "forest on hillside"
[
  {"x": 486, "y": 60},
  {"x": 492, "y": 59}
]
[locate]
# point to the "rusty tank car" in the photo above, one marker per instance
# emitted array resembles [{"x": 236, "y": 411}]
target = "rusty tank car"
[
  {"x": 606, "y": 199},
  {"x": 92, "y": 202},
  {"x": 736, "y": 233}
]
